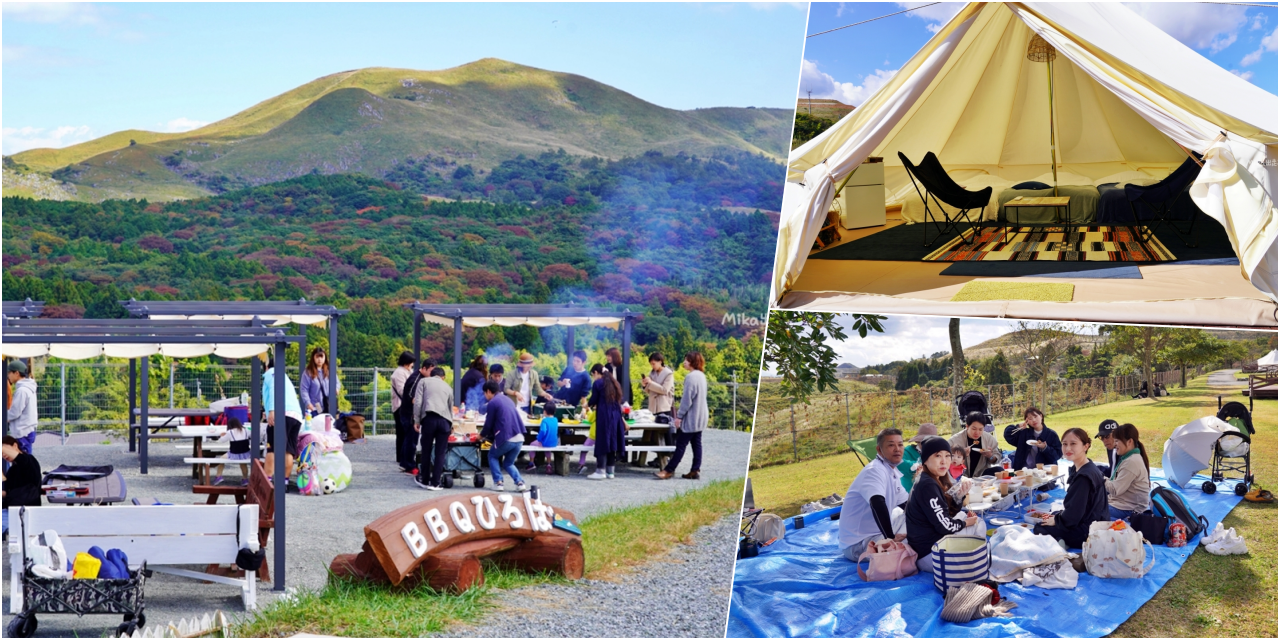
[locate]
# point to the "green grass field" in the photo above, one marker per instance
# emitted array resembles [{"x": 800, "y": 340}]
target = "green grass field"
[
  {"x": 1212, "y": 596},
  {"x": 613, "y": 542}
]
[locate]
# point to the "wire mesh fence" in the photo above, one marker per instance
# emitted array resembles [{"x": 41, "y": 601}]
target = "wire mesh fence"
[
  {"x": 786, "y": 433},
  {"x": 76, "y": 397}
]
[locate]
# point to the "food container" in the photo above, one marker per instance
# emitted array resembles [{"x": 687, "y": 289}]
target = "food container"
[{"x": 1035, "y": 515}]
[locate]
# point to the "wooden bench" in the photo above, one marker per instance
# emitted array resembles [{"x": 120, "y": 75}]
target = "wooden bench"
[
  {"x": 560, "y": 455},
  {"x": 162, "y": 536}
]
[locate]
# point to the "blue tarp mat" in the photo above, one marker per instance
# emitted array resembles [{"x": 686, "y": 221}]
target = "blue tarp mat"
[{"x": 802, "y": 586}]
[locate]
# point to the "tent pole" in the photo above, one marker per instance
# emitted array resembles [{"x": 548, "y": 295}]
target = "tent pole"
[
  {"x": 255, "y": 406},
  {"x": 417, "y": 338},
  {"x": 457, "y": 360},
  {"x": 279, "y": 474},
  {"x": 144, "y": 422},
  {"x": 569, "y": 345},
  {"x": 302, "y": 352},
  {"x": 133, "y": 403},
  {"x": 1053, "y": 144},
  {"x": 626, "y": 358},
  {"x": 333, "y": 367}
]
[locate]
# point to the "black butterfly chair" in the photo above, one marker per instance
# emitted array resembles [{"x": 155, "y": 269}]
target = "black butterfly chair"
[
  {"x": 939, "y": 186},
  {"x": 1164, "y": 201}
]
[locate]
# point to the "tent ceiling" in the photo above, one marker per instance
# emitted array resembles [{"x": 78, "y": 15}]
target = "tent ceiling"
[{"x": 534, "y": 315}]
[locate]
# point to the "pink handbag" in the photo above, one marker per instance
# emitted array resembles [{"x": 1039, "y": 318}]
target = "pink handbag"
[{"x": 889, "y": 560}]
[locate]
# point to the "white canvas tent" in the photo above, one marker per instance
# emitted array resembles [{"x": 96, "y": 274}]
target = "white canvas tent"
[
  {"x": 1127, "y": 96},
  {"x": 1268, "y": 360}
]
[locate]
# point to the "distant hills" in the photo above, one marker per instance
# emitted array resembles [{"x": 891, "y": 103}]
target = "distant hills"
[{"x": 371, "y": 121}]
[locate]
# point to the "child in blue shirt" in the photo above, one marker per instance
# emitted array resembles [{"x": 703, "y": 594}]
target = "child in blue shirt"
[{"x": 548, "y": 435}]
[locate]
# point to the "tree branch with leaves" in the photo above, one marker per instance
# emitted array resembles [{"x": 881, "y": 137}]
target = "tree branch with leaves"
[{"x": 797, "y": 347}]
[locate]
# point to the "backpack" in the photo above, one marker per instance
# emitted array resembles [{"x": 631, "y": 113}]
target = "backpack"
[{"x": 1169, "y": 503}]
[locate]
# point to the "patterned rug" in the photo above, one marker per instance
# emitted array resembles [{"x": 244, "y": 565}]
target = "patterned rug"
[{"x": 1053, "y": 244}]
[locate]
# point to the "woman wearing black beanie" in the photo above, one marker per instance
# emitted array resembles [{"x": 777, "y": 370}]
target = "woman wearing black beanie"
[{"x": 929, "y": 509}]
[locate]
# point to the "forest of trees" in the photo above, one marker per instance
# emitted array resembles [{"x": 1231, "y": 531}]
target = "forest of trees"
[{"x": 648, "y": 233}]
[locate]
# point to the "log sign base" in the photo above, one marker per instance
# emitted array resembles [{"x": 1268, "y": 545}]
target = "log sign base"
[{"x": 440, "y": 542}]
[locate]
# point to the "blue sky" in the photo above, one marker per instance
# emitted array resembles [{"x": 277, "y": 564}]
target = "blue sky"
[
  {"x": 849, "y": 65},
  {"x": 907, "y": 337},
  {"x": 73, "y": 72}
]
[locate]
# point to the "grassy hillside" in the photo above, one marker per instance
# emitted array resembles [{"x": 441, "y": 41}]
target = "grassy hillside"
[
  {"x": 370, "y": 120},
  {"x": 645, "y": 232}
]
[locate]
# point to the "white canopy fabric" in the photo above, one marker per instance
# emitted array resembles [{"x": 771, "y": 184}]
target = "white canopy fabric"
[
  {"x": 1126, "y": 96},
  {"x": 274, "y": 320},
  {"x": 1269, "y": 359},
  {"x": 92, "y": 350},
  {"x": 533, "y": 321}
]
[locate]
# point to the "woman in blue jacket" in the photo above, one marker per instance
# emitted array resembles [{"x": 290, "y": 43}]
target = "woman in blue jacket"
[
  {"x": 1034, "y": 442},
  {"x": 315, "y": 383}
]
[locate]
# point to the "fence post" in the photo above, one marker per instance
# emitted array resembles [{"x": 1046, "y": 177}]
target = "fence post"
[
  {"x": 735, "y": 400},
  {"x": 375, "y": 401},
  {"x": 795, "y": 455},
  {"x": 62, "y": 402},
  {"x": 893, "y": 412},
  {"x": 848, "y": 426},
  {"x": 172, "y": 366}
]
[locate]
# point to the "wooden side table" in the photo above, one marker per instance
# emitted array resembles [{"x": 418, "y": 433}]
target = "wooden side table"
[{"x": 1057, "y": 202}]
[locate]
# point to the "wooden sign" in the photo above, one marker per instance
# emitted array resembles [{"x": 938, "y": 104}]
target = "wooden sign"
[{"x": 441, "y": 541}]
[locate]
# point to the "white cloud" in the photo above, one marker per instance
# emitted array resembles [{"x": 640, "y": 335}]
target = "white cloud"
[
  {"x": 936, "y": 15},
  {"x": 76, "y": 13},
  {"x": 1268, "y": 44},
  {"x": 840, "y": 10},
  {"x": 178, "y": 125},
  {"x": 17, "y": 139},
  {"x": 908, "y": 337},
  {"x": 1197, "y": 25},
  {"x": 824, "y": 86},
  {"x": 1259, "y": 21},
  {"x": 1245, "y": 75}
]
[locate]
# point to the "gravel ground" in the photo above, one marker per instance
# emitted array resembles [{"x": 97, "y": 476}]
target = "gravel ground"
[
  {"x": 320, "y": 528},
  {"x": 684, "y": 595}
]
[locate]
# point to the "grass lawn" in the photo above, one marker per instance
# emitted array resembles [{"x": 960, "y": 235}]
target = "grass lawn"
[
  {"x": 612, "y": 541},
  {"x": 1212, "y": 596}
]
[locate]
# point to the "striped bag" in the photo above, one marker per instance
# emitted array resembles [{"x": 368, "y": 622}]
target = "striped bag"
[{"x": 958, "y": 559}]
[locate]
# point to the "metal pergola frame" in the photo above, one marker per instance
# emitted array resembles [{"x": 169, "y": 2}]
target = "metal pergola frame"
[
  {"x": 458, "y": 313},
  {"x": 143, "y": 332},
  {"x": 261, "y": 309},
  {"x": 23, "y": 309}
]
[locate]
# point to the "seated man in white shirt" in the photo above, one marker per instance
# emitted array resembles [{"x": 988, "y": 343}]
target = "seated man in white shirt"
[{"x": 874, "y": 506}]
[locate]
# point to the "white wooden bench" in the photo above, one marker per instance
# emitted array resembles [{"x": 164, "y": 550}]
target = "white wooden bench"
[
  {"x": 165, "y": 537},
  {"x": 560, "y": 455}
]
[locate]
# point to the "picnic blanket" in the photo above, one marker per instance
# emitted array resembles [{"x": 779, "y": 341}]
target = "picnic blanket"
[{"x": 802, "y": 586}]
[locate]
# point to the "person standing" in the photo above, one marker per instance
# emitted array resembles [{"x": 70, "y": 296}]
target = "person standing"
[
  {"x": 610, "y": 429},
  {"x": 691, "y": 419},
  {"x": 504, "y": 428},
  {"x": 1034, "y": 442},
  {"x": 574, "y": 382},
  {"x": 292, "y": 417},
  {"x": 410, "y": 442},
  {"x": 473, "y": 382},
  {"x": 660, "y": 386},
  {"x": 613, "y": 362},
  {"x": 522, "y": 384},
  {"x": 1129, "y": 484},
  {"x": 404, "y": 369},
  {"x": 1106, "y": 433},
  {"x": 22, "y": 410},
  {"x": 433, "y": 419},
  {"x": 315, "y": 383}
]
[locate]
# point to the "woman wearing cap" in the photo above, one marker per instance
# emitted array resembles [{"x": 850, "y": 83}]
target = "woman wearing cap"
[
  {"x": 1086, "y": 500},
  {"x": 1129, "y": 482},
  {"x": 984, "y": 451},
  {"x": 929, "y": 510}
]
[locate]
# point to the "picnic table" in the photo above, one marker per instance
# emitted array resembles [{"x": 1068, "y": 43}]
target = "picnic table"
[
  {"x": 170, "y": 415},
  {"x": 650, "y": 441},
  {"x": 107, "y": 489}
]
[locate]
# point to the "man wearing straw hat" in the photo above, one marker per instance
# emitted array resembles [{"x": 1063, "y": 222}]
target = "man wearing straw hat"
[{"x": 522, "y": 383}]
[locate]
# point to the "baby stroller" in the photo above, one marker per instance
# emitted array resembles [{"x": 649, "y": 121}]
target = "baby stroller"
[
  {"x": 1231, "y": 451},
  {"x": 971, "y": 401}
]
